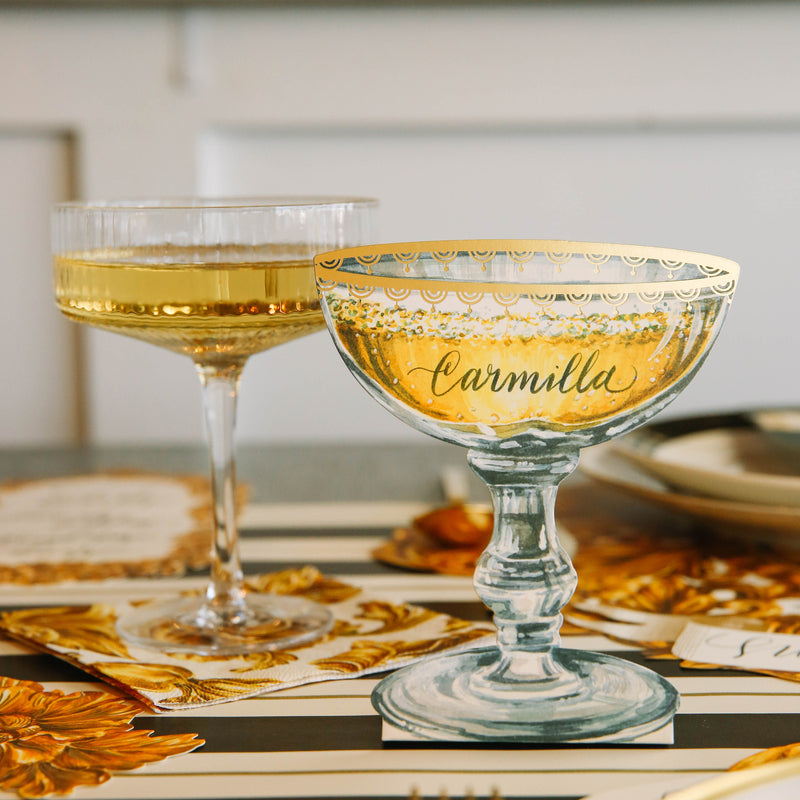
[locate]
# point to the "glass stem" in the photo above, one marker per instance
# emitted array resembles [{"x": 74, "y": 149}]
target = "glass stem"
[
  {"x": 524, "y": 576},
  {"x": 225, "y": 593}
]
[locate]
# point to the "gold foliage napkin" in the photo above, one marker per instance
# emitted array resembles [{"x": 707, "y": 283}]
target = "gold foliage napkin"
[
  {"x": 51, "y": 742},
  {"x": 643, "y": 588},
  {"x": 369, "y": 635}
]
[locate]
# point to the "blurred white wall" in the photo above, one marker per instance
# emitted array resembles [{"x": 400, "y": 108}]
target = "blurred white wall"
[{"x": 674, "y": 124}]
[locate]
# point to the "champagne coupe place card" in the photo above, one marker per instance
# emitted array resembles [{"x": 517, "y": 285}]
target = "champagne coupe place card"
[
  {"x": 97, "y": 526},
  {"x": 750, "y": 650}
]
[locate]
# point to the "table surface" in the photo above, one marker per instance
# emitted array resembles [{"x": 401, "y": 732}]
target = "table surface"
[{"x": 324, "y": 740}]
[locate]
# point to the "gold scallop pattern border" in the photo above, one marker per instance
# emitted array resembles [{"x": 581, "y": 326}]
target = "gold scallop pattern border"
[{"x": 331, "y": 272}]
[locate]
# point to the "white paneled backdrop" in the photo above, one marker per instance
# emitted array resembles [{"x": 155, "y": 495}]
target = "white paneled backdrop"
[{"x": 674, "y": 124}]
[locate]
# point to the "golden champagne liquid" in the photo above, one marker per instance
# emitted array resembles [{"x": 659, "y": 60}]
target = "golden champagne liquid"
[
  {"x": 217, "y": 305},
  {"x": 561, "y": 371}
]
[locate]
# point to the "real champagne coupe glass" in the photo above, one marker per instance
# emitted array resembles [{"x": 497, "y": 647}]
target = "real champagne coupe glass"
[
  {"x": 217, "y": 280},
  {"x": 523, "y": 352}
]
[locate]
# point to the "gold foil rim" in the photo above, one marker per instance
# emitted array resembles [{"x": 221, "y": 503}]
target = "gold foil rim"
[
  {"x": 470, "y": 292},
  {"x": 332, "y": 268}
]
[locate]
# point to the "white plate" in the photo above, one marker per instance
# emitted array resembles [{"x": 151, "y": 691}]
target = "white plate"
[
  {"x": 776, "y": 524},
  {"x": 734, "y": 464}
]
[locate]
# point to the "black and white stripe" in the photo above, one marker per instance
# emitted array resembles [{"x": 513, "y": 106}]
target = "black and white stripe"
[{"x": 324, "y": 740}]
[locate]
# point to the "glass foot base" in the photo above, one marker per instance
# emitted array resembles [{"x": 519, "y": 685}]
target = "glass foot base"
[
  {"x": 191, "y": 625},
  {"x": 601, "y": 699}
]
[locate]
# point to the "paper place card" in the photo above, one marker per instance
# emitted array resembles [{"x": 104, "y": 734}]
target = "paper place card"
[
  {"x": 103, "y": 525},
  {"x": 728, "y": 647}
]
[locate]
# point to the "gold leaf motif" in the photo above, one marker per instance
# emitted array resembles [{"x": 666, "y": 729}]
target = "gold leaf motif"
[
  {"x": 343, "y": 627},
  {"x": 306, "y": 581},
  {"x": 788, "y": 624},
  {"x": 287, "y": 581},
  {"x": 767, "y": 756},
  {"x": 51, "y": 742},
  {"x": 275, "y": 658},
  {"x": 255, "y": 661},
  {"x": 266, "y": 660},
  {"x": 169, "y": 679},
  {"x": 394, "y": 617},
  {"x": 146, "y": 677},
  {"x": 210, "y": 690},
  {"x": 645, "y": 561},
  {"x": 269, "y": 630},
  {"x": 680, "y": 578},
  {"x": 364, "y": 655},
  {"x": 71, "y": 627},
  {"x": 456, "y": 624},
  {"x": 361, "y": 656}
]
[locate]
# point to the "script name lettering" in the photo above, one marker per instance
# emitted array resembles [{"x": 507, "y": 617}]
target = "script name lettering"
[
  {"x": 762, "y": 645},
  {"x": 580, "y": 374}
]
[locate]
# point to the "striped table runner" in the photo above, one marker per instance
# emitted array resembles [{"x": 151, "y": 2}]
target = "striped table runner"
[{"x": 324, "y": 740}]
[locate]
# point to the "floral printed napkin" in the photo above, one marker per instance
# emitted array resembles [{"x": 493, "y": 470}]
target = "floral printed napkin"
[
  {"x": 369, "y": 635},
  {"x": 53, "y": 742},
  {"x": 640, "y": 583}
]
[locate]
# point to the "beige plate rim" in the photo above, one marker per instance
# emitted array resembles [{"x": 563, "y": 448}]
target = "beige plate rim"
[
  {"x": 760, "y": 488},
  {"x": 603, "y": 464}
]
